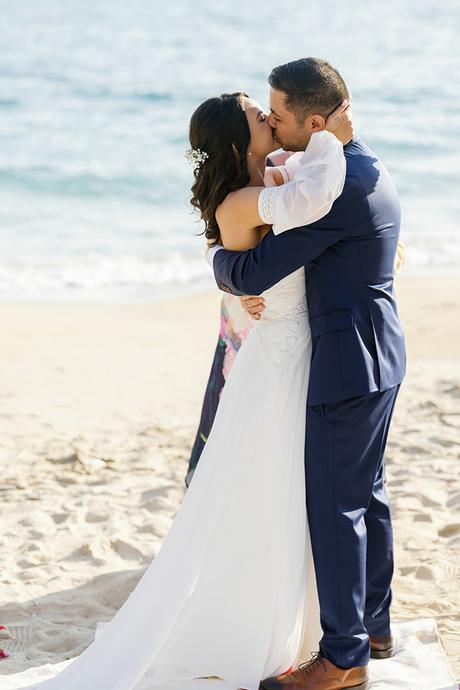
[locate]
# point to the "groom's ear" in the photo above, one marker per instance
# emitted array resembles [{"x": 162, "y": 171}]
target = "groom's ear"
[{"x": 316, "y": 122}]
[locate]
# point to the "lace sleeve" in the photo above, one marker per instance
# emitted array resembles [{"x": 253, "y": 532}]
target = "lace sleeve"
[{"x": 267, "y": 204}]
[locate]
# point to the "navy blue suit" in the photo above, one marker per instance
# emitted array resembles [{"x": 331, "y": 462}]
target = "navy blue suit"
[{"x": 358, "y": 362}]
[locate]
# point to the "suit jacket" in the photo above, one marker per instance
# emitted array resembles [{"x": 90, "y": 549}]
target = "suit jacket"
[{"x": 349, "y": 254}]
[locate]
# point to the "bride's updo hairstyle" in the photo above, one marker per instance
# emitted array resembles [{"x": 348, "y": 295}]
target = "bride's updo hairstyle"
[{"x": 219, "y": 132}]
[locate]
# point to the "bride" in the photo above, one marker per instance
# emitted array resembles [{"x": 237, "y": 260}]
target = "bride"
[{"x": 230, "y": 597}]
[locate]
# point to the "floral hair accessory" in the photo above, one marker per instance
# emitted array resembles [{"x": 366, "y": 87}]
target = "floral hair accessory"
[{"x": 196, "y": 156}]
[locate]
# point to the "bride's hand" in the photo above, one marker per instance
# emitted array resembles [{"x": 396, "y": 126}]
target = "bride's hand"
[
  {"x": 340, "y": 122},
  {"x": 253, "y": 304}
]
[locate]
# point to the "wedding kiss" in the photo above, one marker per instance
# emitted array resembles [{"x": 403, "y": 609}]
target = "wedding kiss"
[{"x": 276, "y": 572}]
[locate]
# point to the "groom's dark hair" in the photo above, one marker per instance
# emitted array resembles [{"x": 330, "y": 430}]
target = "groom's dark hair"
[{"x": 311, "y": 85}]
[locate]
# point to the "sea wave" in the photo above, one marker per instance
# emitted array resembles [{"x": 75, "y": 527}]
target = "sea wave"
[
  {"x": 91, "y": 273},
  {"x": 132, "y": 278},
  {"x": 95, "y": 106}
]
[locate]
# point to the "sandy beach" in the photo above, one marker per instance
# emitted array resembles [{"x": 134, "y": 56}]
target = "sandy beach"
[{"x": 98, "y": 410}]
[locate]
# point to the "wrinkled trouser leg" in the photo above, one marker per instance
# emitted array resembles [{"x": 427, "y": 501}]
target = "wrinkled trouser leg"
[{"x": 350, "y": 522}]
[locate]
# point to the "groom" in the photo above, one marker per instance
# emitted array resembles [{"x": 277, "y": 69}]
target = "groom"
[{"x": 358, "y": 363}]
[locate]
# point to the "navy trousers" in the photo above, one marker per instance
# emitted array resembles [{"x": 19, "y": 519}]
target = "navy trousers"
[{"x": 350, "y": 522}]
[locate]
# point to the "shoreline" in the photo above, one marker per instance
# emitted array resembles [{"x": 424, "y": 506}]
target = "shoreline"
[
  {"x": 155, "y": 294},
  {"x": 99, "y": 408}
]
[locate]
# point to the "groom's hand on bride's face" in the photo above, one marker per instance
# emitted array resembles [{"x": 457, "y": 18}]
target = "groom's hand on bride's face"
[
  {"x": 253, "y": 304},
  {"x": 340, "y": 122}
]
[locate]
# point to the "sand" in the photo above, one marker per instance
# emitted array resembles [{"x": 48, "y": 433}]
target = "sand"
[{"x": 98, "y": 410}]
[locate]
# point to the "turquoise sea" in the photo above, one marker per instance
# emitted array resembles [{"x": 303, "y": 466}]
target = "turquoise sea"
[{"x": 95, "y": 99}]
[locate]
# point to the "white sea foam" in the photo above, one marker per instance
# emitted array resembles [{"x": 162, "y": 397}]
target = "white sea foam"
[{"x": 127, "y": 277}]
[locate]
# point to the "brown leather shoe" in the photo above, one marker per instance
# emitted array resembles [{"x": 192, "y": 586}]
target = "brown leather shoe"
[
  {"x": 319, "y": 674},
  {"x": 382, "y": 646}
]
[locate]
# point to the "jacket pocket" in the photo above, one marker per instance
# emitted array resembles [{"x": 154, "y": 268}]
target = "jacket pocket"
[{"x": 341, "y": 320}]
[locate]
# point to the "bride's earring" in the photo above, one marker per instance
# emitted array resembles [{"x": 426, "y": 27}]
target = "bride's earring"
[{"x": 249, "y": 153}]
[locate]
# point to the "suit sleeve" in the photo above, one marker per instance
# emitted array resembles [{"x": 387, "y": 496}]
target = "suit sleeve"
[{"x": 256, "y": 270}]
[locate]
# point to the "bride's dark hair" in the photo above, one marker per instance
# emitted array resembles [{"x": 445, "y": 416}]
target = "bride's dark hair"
[{"x": 219, "y": 128}]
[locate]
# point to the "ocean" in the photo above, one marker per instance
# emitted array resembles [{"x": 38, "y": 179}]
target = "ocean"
[{"x": 95, "y": 100}]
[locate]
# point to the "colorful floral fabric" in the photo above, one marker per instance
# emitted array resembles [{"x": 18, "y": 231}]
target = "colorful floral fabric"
[{"x": 234, "y": 327}]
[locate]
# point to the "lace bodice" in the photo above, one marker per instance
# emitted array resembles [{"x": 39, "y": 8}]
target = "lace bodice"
[
  {"x": 287, "y": 299},
  {"x": 284, "y": 327}
]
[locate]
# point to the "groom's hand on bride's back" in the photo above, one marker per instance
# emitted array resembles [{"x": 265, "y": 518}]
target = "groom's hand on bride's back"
[
  {"x": 253, "y": 304},
  {"x": 340, "y": 122}
]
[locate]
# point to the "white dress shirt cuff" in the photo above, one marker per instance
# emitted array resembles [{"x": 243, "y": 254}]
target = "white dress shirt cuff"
[{"x": 211, "y": 254}]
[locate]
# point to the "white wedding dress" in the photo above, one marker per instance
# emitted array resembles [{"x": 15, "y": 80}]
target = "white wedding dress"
[
  {"x": 230, "y": 598},
  {"x": 231, "y": 592}
]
